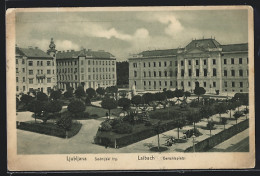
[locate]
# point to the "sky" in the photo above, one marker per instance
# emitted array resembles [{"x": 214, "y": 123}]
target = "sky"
[{"x": 123, "y": 33}]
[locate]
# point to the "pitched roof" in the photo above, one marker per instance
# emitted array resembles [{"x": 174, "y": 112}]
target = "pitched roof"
[
  {"x": 203, "y": 43},
  {"x": 67, "y": 55},
  {"x": 235, "y": 47},
  {"x": 32, "y": 52},
  {"x": 166, "y": 52},
  {"x": 88, "y": 53}
]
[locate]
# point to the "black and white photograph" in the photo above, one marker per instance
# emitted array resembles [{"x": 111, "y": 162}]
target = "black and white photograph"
[{"x": 141, "y": 84}]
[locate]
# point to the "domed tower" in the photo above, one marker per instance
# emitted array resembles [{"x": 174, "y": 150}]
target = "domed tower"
[{"x": 52, "y": 52}]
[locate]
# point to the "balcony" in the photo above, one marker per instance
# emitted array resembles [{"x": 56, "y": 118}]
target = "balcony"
[{"x": 40, "y": 76}]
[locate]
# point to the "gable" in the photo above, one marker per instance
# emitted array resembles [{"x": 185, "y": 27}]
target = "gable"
[{"x": 196, "y": 50}]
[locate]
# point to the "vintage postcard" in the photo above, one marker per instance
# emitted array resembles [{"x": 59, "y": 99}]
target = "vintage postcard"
[{"x": 130, "y": 88}]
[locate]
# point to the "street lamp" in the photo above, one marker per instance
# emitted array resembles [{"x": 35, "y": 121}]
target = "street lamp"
[
  {"x": 193, "y": 141},
  {"x": 211, "y": 126}
]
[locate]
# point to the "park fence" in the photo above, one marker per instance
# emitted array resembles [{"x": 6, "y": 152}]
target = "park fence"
[{"x": 220, "y": 137}]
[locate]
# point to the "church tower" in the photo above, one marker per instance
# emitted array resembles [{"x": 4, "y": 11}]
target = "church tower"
[{"x": 52, "y": 52}]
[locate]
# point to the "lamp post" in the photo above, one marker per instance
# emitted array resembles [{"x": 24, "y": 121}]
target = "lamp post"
[
  {"x": 210, "y": 126},
  {"x": 193, "y": 141}
]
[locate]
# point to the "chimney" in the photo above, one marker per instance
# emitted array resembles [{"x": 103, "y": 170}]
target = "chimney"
[{"x": 68, "y": 50}]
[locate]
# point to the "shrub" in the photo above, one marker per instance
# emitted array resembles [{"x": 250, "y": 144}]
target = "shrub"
[
  {"x": 41, "y": 96},
  {"x": 76, "y": 106},
  {"x": 148, "y": 123},
  {"x": 87, "y": 101},
  {"x": 115, "y": 122},
  {"x": 210, "y": 125},
  {"x": 246, "y": 111},
  {"x": 64, "y": 122},
  {"x": 123, "y": 128},
  {"x": 163, "y": 115},
  {"x": 55, "y": 94},
  {"x": 194, "y": 104},
  {"x": 105, "y": 126},
  {"x": 68, "y": 94},
  {"x": 190, "y": 132},
  {"x": 91, "y": 92},
  {"x": 94, "y": 116}
]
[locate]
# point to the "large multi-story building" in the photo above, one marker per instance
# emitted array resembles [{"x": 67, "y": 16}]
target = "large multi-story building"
[
  {"x": 35, "y": 70},
  {"x": 205, "y": 63},
  {"x": 92, "y": 69}
]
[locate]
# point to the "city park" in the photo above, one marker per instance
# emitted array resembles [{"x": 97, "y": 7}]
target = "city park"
[{"x": 126, "y": 117}]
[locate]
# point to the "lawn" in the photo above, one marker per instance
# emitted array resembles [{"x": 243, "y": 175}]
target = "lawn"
[{"x": 101, "y": 112}]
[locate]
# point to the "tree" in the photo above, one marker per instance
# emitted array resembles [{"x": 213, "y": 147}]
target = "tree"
[
  {"x": 65, "y": 122},
  {"x": 125, "y": 103},
  {"x": 206, "y": 112},
  {"x": 41, "y": 96},
  {"x": 68, "y": 94},
  {"x": 159, "y": 96},
  {"x": 193, "y": 117},
  {"x": 169, "y": 94},
  {"x": 187, "y": 94},
  {"x": 221, "y": 108},
  {"x": 136, "y": 100},
  {"x": 180, "y": 123},
  {"x": 55, "y": 95},
  {"x": 109, "y": 103},
  {"x": 91, "y": 92},
  {"x": 51, "y": 107},
  {"x": 26, "y": 99},
  {"x": 148, "y": 98},
  {"x": 199, "y": 91},
  {"x": 237, "y": 115},
  {"x": 83, "y": 84},
  {"x": 178, "y": 93},
  {"x": 76, "y": 107},
  {"x": 101, "y": 91},
  {"x": 87, "y": 101},
  {"x": 79, "y": 92},
  {"x": 158, "y": 129},
  {"x": 113, "y": 90},
  {"x": 231, "y": 106},
  {"x": 224, "y": 121},
  {"x": 36, "y": 107},
  {"x": 17, "y": 102}
]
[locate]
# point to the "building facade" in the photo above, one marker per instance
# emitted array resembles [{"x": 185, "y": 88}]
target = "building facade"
[
  {"x": 91, "y": 69},
  {"x": 205, "y": 63},
  {"x": 35, "y": 70}
]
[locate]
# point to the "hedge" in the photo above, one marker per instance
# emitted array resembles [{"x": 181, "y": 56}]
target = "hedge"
[
  {"x": 108, "y": 138},
  {"x": 220, "y": 137},
  {"x": 49, "y": 128}
]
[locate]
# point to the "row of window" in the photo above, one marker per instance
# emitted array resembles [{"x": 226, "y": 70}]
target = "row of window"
[
  {"x": 70, "y": 70},
  {"x": 154, "y": 64},
  {"x": 70, "y": 77},
  {"x": 166, "y": 83},
  {"x": 64, "y": 63},
  {"x": 41, "y": 72},
  {"x": 31, "y": 80},
  {"x": 197, "y": 71},
  {"x": 40, "y": 63}
]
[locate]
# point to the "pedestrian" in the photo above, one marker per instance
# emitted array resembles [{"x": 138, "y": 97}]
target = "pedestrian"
[{"x": 107, "y": 115}]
